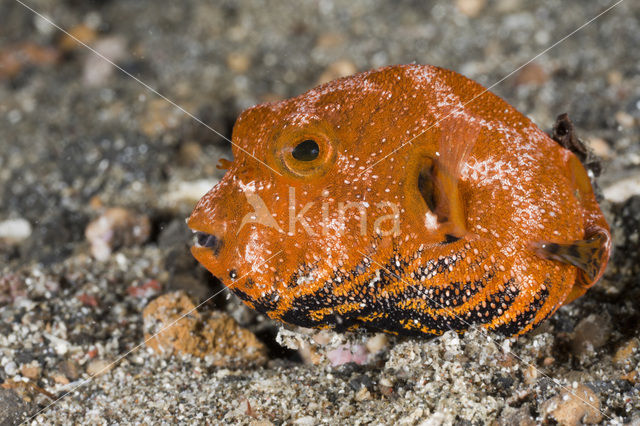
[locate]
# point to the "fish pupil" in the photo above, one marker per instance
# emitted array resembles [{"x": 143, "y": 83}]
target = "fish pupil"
[{"x": 307, "y": 150}]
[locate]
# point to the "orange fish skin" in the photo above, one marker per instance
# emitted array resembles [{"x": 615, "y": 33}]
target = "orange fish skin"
[{"x": 501, "y": 189}]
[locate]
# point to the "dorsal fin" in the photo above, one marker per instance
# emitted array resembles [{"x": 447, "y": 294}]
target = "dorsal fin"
[
  {"x": 456, "y": 141},
  {"x": 565, "y": 135}
]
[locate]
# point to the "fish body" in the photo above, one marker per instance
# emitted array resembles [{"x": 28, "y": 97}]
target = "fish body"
[{"x": 406, "y": 199}]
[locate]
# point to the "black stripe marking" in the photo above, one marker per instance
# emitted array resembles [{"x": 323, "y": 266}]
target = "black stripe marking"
[{"x": 525, "y": 317}]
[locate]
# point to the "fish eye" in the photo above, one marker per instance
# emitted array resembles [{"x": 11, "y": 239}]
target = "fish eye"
[{"x": 307, "y": 150}]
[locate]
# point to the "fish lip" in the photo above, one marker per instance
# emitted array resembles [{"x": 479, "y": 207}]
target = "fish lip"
[
  {"x": 205, "y": 257},
  {"x": 196, "y": 231}
]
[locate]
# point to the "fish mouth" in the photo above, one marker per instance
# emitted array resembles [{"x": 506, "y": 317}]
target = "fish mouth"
[{"x": 208, "y": 241}]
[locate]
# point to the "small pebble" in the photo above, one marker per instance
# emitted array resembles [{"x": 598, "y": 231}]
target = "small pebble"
[
  {"x": 60, "y": 379},
  {"x": 160, "y": 117},
  {"x": 600, "y": 147},
  {"x": 115, "y": 228},
  {"x": 531, "y": 74},
  {"x": 238, "y": 62},
  {"x": 12, "y": 287},
  {"x": 614, "y": 77},
  {"x": 624, "y": 354},
  {"x": 471, "y": 8},
  {"x": 43, "y": 26},
  {"x": 11, "y": 369},
  {"x": 61, "y": 346},
  {"x": 574, "y": 406},
  {"x": 31, "y": 371},
  {"x": 98, "y": 366},
  {"x": 631, "y": 377},
  {"x": 97, "y": 71},
  {"x": 13, "y": 231},
  {"x": 377, "y": 343},
  {"x": 624, "y": 119},
  {"x": 346, "y": 354},
  {"x": 187, "y": 192},
  {"x": 173, "y": 325},
  {"x": 305, "y": 421},
  {"x": 590, "y": 334},
  {"x": 82, "y": 32},
  {"x": 190, "y": 154},
  {"x": 330, "y": 40},
  {"x": 530, "y": 375},
  {"x": 512, "y": 416},
  {"x": 622, "y": 189},
  {"x": 337, "y": 69},
  {"x": 70, "y": 369},
  {"x": 14, "y": 58},
  {"x": 363, "y": 394}
]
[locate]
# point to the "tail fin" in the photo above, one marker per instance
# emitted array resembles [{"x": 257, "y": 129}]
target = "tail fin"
[{"x": 589, "y": 255}]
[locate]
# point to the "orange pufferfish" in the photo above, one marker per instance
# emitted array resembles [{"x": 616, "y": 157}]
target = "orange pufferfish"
[{"x": 406, "y": 199}]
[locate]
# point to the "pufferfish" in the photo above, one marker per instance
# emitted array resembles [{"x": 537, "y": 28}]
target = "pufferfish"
[{"x": 406, "y": 199}]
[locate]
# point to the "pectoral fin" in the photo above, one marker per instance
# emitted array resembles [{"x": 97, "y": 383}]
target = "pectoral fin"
[{"x": 455, "y": 144}]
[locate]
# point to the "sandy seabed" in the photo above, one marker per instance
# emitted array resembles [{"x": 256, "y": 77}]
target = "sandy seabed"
[{"x": 78, "y": 138}]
